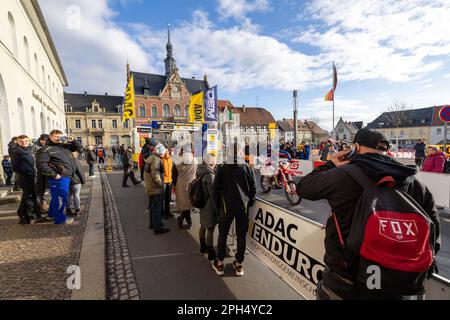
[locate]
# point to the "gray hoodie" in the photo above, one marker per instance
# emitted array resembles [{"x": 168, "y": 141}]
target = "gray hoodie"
[{"x": 209, "y": 213}]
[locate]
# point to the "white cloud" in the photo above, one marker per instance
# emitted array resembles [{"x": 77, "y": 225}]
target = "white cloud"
[
  {"x": 238, "y": 9},
  {"x": 372, "y": 39},
  {"x": 93, "y": 56}
]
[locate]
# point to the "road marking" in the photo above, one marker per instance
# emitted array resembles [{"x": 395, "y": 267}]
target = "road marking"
[{"x": 165, "y": 255}]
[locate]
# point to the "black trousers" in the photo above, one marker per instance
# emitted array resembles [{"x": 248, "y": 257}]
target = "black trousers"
[
  {"x": 225, "y": 222},
  {"x": 41, "y": 187},
  {"x": 128, "y": 173},
  {"x": 186, "y": 214},
  {"x": 29, "y": 207},
  {"x": 91, "y": 169},
  {"x": 167, "y": 196}
]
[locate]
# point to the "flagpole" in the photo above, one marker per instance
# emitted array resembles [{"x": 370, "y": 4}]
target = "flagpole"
[{"x": 333, "y": 117}]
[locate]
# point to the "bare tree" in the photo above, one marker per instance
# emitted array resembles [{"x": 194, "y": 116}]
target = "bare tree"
[{"x": 395, "y": 116}]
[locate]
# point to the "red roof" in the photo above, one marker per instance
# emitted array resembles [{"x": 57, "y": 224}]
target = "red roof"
[{"x": 225, "y": 103}]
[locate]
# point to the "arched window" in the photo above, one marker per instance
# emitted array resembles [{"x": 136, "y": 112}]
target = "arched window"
[
  {"x": 49, "y": 86},
  {"x": 186, "y": 110},
  {"x": 166, "y": 111},
  {"x": 142, "y": 113},
  {"x": 33, "y": 123},
  {"x": 36, "y": 68},
  {"x": 43, "y": 78},
  {"x": 154, "y": 111},
  {"x": 95, "y": 109},
  {"x": 48, "y": 124},
  {"x": 5, "y": 127},
  {"x": 53, "y": 91},
  {"x": 27, "y": 54},
  {"x": 21, "y": 112},
  {"x": 13, "y": 35},
  {"x": 43, "y": 127},
  {"x": 177, "y": 110}
]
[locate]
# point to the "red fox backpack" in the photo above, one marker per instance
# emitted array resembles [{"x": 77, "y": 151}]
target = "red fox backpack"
[{"x": 389, "y": 230}]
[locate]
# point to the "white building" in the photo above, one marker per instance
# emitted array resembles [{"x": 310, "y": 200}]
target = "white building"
[{"x": 31, "y": 75}]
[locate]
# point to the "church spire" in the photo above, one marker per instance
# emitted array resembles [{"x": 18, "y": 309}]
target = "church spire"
[{"x": 169, "y": 61}]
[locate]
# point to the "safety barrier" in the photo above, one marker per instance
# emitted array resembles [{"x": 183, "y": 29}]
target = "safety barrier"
[{"x": 292, "y": 246}]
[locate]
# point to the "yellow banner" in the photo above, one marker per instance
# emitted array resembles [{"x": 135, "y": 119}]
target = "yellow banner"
[
  {"x": 128, "y": 107},
  {"x": 197, "y": 108}
]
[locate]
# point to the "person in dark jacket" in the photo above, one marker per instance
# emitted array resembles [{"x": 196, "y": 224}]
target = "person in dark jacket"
[
  {"x": 420, "y": 152},
  {"x": 91, "y": 160},
  {"x": 7, "y": 169},
  {"x": 41, "y": 179},
  {"x": 58, "y": 164},
  {"x": 11, "y": 146},
  {"x": 234, "y": 194},
  {"x": 23, "y": 164},
  {"x": 146, "y": 152},
  {"x": 210, "y": 212},
  {"x": 332, "y": 183},
  {"x": 128, "y": 172},
  {"x": 76, "y": 182}
]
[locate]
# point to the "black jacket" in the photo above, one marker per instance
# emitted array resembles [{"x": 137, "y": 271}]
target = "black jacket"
[
  {"x": 234, "y": 188},
  {"x": 146, "y": 152},
  {"x": 420, "y": 150},
  {"x": 23, "y": 163},
  {"x": 127, "y": 160},
  {"x": 91, "y": 158},
  {"x": 343, "y": 192},
  {"x": 54, "y": 159},
  {"x": 11, "y": 147}
]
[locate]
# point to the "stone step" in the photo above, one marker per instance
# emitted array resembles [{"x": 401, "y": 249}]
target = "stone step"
[{"x": 9, "y": 199}]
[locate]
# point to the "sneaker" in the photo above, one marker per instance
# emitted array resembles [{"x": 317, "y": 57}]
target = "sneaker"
[
  {"x": 77, "y": 211},
  {"x": 239, "y": 270},
  {"x": 69, "y": 221},
  {"x": 147, "y": 211},
  {"x": 217, "y": 268},
  {"x": 161, "y": 231},
  {"x": 188, "y": 226}
]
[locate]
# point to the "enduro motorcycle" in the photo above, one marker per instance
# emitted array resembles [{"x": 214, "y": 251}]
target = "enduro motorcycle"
[{"x": 281, "y": 177}]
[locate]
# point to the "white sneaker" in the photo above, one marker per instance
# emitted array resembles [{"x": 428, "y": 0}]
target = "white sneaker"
[{"x": 239, "y": 270}]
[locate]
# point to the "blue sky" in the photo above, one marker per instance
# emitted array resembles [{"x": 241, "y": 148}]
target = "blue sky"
[{"x": 384, "y": 50}]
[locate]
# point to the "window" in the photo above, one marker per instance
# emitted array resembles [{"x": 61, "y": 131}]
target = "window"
[
  {"x": 95, "y": 109},
  {"x": 33, "y": 122},
  {"x": 100, "y": 124},
  {"x": 166, "y": 111},
  {"x": 114, "y": 124},
  {"x": 126, "y": 124},
  {"x": 27, "y": 54},
  {"x": 36, "y": 68},
  {"x": 422, "y": 132},
  {"x": 177, "y": 110},
  {"x": 402, "y": 132},
  {"x": 13, "y": 35},
  {"x": 142, "y": 111},
  {"x": 49, "y": 86},
  {"x": 186, "y": 110},
  {"x": 78, "y": 124},
  {"x": 154, "y": 111},
  {"x": 114, "y": 141},
  {"x": 438, "y": 131},
  {"x": 21, "y": 112},
  {"x": 98, "y": 140},
  {"x": 93, "y": 124},
  {"x": 43, "y": 78}
]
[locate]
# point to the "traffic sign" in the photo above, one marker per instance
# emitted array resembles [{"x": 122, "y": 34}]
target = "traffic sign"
[{"x": 444, "y": 114}]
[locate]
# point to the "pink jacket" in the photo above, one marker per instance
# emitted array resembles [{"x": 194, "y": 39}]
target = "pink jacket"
[{"x": 434, "y": 163}]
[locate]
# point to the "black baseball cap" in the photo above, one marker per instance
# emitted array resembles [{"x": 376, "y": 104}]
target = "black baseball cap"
[
  {"x": 371, "y": 138},
  {"x": 43, "y": 137}
]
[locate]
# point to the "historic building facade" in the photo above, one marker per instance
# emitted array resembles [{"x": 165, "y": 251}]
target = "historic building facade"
[
  {"x": 96, "y": 119},
  {"x": 31, "y": 75}
]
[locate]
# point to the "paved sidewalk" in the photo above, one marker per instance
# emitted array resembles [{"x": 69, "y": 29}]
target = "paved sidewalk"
[{"x": 34, "y": 258}]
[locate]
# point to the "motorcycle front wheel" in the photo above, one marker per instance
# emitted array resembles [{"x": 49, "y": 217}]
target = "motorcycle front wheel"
[{"x": 291, "y": 195}]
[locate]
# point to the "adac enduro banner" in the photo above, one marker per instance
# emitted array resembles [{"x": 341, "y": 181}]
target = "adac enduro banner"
[
  {"x": 129, "y": 101},
  {"x": 291, "y": 246},
  {"x": 211, "y": 104},
  {"x": 196, "y": 108}
]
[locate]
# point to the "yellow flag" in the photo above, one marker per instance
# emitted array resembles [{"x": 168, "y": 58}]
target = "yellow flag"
[
  {"x": 128, "y": 107},
  {"x": 197, "y": 108}
]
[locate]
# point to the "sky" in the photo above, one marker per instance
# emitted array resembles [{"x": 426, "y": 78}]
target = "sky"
[{"x": 258, "y": 51}]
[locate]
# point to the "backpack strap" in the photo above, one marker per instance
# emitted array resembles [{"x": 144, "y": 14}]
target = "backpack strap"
[{"x": 359, "y": 176}]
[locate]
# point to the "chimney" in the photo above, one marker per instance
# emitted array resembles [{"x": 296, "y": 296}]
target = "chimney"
[
  {"x": 243, "y": 107},
  {"x": 193, "y": 78},
  {"x": 85, "y": 93},
  {"x": 106, "y": 94}
]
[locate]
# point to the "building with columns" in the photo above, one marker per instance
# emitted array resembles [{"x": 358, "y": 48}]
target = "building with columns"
[{"x": 31, "y": 75}]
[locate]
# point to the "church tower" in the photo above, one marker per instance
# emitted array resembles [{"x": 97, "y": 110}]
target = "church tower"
[{"x": 170, "y": 62}]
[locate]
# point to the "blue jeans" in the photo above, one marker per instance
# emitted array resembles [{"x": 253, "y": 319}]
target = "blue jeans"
[
  {"x": 156, "y": 206},
  {"x": 59, "y": 189}
]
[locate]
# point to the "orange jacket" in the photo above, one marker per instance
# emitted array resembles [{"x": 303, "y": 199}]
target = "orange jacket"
[{"x": 168, "y": 165}]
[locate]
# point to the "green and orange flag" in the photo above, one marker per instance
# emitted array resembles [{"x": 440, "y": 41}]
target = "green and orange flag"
[{"x": 330, "y": 95}]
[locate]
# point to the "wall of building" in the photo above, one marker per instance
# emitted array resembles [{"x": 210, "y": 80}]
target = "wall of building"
[
  {"x": 407, "y": 135},
  {"x": 31, "y": 93},
  {"x": 437, "y": 134}
]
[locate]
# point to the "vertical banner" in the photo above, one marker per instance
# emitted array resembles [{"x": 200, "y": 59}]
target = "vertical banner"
[
  {"x": 212, "y": 142},
  {"x": 128, "y": 108},
  {"x": 211, "y": 105},
  {"x": 196, "y": 108}
]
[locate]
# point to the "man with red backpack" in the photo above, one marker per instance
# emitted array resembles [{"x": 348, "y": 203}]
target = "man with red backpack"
[
  {"x": 100, "y": 152},
  {"x": 380, "y": 240}
]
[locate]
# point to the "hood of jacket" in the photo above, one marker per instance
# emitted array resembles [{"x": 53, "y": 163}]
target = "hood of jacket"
[
  {"x": 437, "y": 154},
  {"x": 377, "y": 166},
  {"x": 204, "y": 169}
]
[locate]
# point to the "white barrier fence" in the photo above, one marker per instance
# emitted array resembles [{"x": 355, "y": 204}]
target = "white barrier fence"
[{"x": 293, "y": 247}]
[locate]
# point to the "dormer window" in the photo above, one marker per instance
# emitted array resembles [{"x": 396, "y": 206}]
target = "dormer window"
[{"x": 95, "y": 109}]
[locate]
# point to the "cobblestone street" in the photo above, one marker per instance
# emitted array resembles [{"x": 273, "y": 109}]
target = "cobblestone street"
[{"x": 34, "y": 258}]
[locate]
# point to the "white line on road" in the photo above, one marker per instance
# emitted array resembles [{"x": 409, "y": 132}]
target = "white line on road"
[{"x": 165, "y": 255}]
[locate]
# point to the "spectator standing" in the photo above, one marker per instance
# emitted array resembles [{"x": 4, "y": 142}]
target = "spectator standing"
[
  {"x": 41, "y": 179},
  {"x": 91, "y": 160},
  {"x": 101, "y": 155},
  {"x": 185, "y": 170},
  {"x": 435, "y": 160},
  {"x": 23, "y": 164},
  {"x": 168, "y": 170},
  {"x": 154, "y": 187},
  {"x": 76, "y": 182},
  {"x": 234, "y": 194},
  {"x": 146, "y": 152},
  {"x": 419, "y": 147},
  {"x": 114, "y": 152},
  {"x": 7, "y": 169},
  {"x": 58, "y": 163},
  {"x": 127, "y": 161}
]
